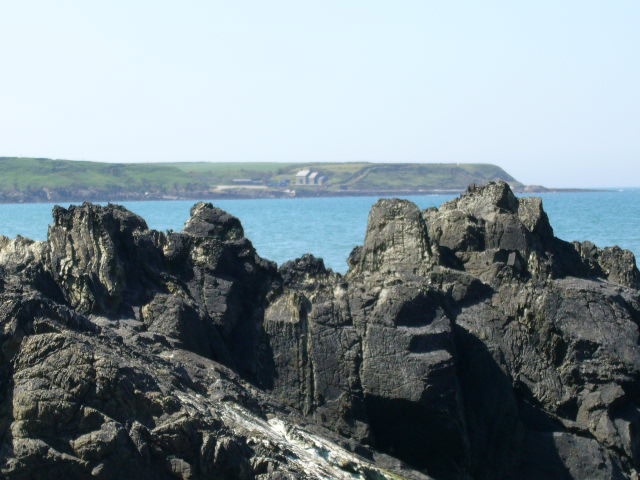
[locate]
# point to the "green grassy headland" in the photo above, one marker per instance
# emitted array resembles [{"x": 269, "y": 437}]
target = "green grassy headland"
[{"x": 40, "y": 179}]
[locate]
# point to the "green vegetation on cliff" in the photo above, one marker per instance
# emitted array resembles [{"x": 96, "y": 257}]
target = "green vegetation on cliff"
[{"x": 34, "y": 179}]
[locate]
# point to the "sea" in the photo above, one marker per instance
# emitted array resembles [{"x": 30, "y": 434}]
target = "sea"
[{"x": 330, "y": 227}]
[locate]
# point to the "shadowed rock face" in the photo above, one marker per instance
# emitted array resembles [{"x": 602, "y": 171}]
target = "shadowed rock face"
[{"x": 464, "y": 342}]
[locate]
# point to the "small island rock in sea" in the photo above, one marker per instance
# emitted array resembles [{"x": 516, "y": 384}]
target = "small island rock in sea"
[{"x": 464, "y": 342}]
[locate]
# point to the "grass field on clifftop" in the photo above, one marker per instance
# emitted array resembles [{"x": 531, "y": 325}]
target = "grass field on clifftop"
[{"x": 34, "y": 174}]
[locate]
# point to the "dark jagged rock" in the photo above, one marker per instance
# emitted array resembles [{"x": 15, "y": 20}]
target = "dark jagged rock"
[
  {"x": 304, "y": 272},
  {"x": 464, "y": 342},
  {"x": 96, "y": 256},
  {"x": 396, "y": 238},
  {"x": 209, "y": 221}
]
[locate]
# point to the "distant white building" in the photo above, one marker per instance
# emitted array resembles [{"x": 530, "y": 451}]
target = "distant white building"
[
  {"x": 310, "y": 177},
  {"x": 302, "y": 177}
]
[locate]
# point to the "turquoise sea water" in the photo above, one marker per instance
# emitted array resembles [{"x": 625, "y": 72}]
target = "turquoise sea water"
[{"x": 283, "y": 229}]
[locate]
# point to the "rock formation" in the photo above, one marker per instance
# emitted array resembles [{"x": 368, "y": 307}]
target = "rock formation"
[{"x": 464, "y": 342}]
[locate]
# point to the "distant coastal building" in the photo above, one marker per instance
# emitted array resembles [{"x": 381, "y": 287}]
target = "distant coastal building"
[
  {"x": 310, "y": 177},
  {"x": 302, "y": 177}
]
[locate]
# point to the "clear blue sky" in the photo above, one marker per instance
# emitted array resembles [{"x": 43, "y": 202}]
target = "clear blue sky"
[{"x": 549, "y": 90}]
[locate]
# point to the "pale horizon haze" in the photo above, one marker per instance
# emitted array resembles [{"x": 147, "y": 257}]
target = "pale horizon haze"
[{"x": 549, "y": 91}]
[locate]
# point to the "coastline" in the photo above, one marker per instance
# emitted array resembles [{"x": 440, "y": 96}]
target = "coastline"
[{"x": 48, "y": 196}]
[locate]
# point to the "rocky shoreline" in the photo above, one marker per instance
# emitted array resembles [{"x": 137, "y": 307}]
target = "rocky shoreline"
[{"x": 464, "y": 342}]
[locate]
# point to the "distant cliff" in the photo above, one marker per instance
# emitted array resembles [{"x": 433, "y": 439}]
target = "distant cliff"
[
  {"x": 465, "y": 342},
  {"x": 45, "y": 180}
]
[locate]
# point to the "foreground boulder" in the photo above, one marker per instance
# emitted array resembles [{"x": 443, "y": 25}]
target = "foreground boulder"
[{"x": 464, "y": 342}]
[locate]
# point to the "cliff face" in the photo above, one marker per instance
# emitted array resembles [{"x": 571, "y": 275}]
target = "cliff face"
[{"x": 464, "y": 342}]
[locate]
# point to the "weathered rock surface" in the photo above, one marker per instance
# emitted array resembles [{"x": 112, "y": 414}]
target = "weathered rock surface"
[{"x": 464, "y": 342}]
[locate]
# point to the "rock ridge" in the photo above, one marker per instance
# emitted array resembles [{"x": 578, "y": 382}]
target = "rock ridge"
[{"x": 465, "y": 342}]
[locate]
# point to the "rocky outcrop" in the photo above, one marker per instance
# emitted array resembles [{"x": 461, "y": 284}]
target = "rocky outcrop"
[{"x": 464, "y": 342}]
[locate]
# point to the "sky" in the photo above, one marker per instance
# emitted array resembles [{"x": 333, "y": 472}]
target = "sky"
[{"x": 548, "y": 90}]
